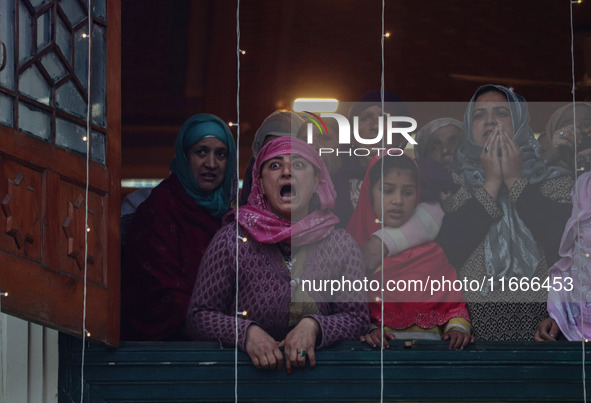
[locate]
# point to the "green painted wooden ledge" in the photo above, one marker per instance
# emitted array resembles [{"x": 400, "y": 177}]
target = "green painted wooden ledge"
[{"x": 347, "y": 372}]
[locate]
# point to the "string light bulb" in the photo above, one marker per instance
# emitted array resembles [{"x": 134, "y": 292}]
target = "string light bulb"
[
  {"x": 4, "y": 294},
  {"x": 85, "y": 35},
  {"x": 242, "y": 51},
  {"x": 84, "y": 138},
  {"x": 387, "y": 34},
  {"x": 87, "y": 333},
  {"x": 377, "y": 220},
  {"x": 243, "y": 313},
  {"x": 87, "y": 229}
]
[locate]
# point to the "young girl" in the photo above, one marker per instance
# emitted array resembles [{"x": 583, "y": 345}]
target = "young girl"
[{"x": 412, "y": 310}]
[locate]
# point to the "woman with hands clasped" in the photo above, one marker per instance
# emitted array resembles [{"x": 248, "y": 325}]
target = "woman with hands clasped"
[
  {"x": 501, "y": 157},
  {"x": 286, "y": 236},
  {"x": 506, "y": 219}
]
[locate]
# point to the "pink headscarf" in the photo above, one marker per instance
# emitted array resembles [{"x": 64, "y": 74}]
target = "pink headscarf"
[
  {"x": 258, "y": 218},
  {"x": 572, "y": 308},
  {"x": 363, "y": 222},
  {"x": 402, "y": 309}
]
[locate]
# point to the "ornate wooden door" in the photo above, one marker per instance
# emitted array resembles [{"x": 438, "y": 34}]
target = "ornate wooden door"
[{"x": 45, "y": 82}]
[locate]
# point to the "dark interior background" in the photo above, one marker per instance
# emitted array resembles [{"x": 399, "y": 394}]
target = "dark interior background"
[{"x": 179, "y": 58}]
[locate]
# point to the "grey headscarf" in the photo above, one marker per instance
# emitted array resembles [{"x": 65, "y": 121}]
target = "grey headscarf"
[
  {"x": 422, "y": 137},
  {"x": 509, "y": 247},
  {"x": 280, "y": 124}
]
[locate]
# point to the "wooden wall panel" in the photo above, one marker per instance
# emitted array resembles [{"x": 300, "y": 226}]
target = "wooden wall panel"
[
  {"x": 42, "y": 221},
  {"x": 20, "y": 213},
  {"x": 71, "y": 207},
  {"x": 30, "y": 150},
  {"x": 54, "y": 299}
]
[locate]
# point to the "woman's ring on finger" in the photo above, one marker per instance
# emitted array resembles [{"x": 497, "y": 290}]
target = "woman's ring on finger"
[
  {"x": 561, "y": 133},
  {"x": 486, "y": 149},
  {"x": 303, "y": 353}
]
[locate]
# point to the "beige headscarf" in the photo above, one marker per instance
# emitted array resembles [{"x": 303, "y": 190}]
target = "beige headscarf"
[
  {"x": 564, "y": 116},
  {"x": 279, "y": 123},
  {"x": 423, "y": 135}
]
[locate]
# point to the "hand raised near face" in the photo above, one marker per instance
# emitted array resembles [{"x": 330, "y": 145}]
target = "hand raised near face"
[
  {"x": 564, "y": 137},
  {"x": 511, "y": 160},
  {"x": 491, "y": 164}
]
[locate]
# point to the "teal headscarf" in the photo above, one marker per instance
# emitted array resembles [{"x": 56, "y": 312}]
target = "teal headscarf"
[{"x": 195, "y": 129}]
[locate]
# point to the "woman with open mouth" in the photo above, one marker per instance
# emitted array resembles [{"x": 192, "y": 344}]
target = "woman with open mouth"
[{"x": 286, "y": 237}]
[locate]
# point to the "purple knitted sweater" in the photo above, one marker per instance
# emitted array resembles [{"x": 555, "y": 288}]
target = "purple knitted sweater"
[{"x": 265, "y": 291}]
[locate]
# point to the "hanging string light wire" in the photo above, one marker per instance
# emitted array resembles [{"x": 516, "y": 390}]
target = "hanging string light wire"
[
  {"x": 575, "y": 202},
  {"x": 382, "y": 90},
  {"x": 88, "y": 141},
  {"x": 2, "y": 355},
  {"x": 238, "y": 53}
]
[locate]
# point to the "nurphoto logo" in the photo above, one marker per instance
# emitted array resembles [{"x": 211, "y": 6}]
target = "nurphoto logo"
[{"x": 393, "y": 126}]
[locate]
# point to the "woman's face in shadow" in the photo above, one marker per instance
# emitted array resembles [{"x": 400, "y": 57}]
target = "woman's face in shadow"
[
  {"x": 491, "y": 112},
  {"x": 208, "y": 160},
  {"x": 442, "y": 144},
  {"x": 369, "y": 128}
]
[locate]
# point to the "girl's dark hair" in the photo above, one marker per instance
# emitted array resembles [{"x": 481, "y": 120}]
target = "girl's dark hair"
[
  {"x": 390, "y": 163},
  {"x": 434, "y": 179}
]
